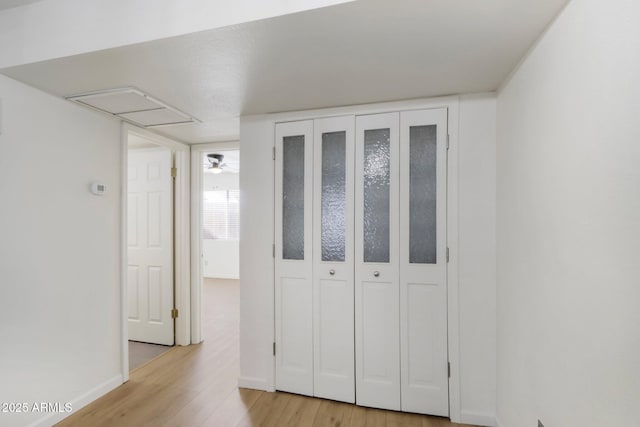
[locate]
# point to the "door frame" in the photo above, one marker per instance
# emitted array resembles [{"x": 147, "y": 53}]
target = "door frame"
[
  {"x": 452, "y": 104},
  {"x": 181, "y": 241},
  {"x": 197, "y": 187}
]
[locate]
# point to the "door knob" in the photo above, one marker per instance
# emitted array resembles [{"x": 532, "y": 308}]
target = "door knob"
[
  {"x": 332, "y": 272},
  {"x": 376, "y": 273}
]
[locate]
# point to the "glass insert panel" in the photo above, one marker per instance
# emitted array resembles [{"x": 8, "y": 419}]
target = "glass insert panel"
[
  {"x": 333, "y": 196},
  {"x": 377, "y": 177},
  {"x": 293, "y": 197},
  {"x": 422, "y": 194}
]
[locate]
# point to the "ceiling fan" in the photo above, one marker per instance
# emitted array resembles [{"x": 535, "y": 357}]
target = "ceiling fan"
[{"x": 215, "y": 161}]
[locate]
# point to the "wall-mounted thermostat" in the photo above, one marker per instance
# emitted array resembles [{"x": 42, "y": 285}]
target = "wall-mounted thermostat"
[{"x": 98, "y": 188}]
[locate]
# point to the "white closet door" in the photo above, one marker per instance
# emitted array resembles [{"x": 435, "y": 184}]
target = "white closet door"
[
  {"x": 293, "y": 255},
  {"x": 377, "y": 294},
  {"x": 423, "y": 273},
  {"x": 333, "y": 259}
]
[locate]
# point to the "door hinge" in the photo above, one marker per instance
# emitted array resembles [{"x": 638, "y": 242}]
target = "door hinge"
[
  {"x": 447, "y": 141},
  {"x": 174, "y": 172},
  {"x": 273, "y": 250},
  {"x": 447, "y": 253},
  {"x": 273, "y": 153},
  {"x": 274, "y": 348},
  {"x": 449, "y": 369},
  {"x": 174, "y": 313}
]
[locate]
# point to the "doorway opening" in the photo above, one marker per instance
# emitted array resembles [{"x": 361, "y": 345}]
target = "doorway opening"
[{"x": 220, "y": 240}]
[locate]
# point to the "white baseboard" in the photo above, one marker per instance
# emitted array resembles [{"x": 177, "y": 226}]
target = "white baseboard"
[
  {"x": 255, "y": 383},
  {"x": 80, "y": 402},
  {"x": 498, "y": 423},
  {"x": 477, "y": 418},
  {"x": 224, "y": 276}
]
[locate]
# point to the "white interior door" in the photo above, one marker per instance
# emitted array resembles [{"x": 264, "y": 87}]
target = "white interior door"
[
  {"x": 377, "y": 294},
  {"x": 333, "y": 235},
  {"x": 293, "y": 257},
  {"x": 423, "y": 272},
  {"x": 150, "y": 246}
]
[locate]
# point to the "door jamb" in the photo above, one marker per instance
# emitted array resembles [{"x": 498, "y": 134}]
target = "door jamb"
[
  {"x": 181, "y": 239},
  {"x": 197, "y": 187}
]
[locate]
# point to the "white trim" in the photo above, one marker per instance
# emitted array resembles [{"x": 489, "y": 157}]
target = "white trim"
[
  {"x": 224, "y": 276},
  {"x": 498, "y": 423},
  {"x": 452, "y": 104},
  {"x": 80, "y": 402},
  {"x": 124, "y": 300},
  {"x": 182, "y": 239},
  {"x": 478, "y": 419},
  {"x": 197, "y": 187},
  {"x": 183, "y": 247},
  {"x": 255, "y": 383},
  {"x": 453, "y": 304}
]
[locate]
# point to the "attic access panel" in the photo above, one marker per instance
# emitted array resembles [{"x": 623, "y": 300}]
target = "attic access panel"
[{"x": 133, "y": 106}]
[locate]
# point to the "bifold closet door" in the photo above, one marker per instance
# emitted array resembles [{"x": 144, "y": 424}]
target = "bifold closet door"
[
  {"x": 333, "y": 307},
  {"x": 293, "y": 257},
  {"x": 423, "y": 273},
  {"x": 377, "y": 294}
]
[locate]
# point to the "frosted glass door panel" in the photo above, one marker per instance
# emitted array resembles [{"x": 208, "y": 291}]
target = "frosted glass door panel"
[
  {"x": 377, "y": 177},
  {"x": 377, "y": 293},
  {"x": 333, "y": 236},
  {"x": 294, "y": 257},
  {"x": 422, "y": 194},
  {"x": 423, "y": 265},
  {"x": 293, "y": 197},
  {"x": 333, "y": 195}
]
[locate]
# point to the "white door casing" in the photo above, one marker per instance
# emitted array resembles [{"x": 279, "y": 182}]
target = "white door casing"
[
  {"x": 293, "y": 257},
  {"x": 150, "y": 246},
  {"x": 377, "y": 295},
  {"x": 333, "y": 235},
  {"x": 423, "y": 263}
]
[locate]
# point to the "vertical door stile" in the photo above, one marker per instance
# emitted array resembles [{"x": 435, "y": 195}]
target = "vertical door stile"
[
  {"x": 333, "y": 305},
  {"x": 294, "y": 257},
  {"x": 377, "y": 295},
  {"x": 423, "y": 281}
]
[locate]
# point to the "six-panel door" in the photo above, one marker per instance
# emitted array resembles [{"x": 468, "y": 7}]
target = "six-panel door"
[{"x": 150, "y": 246}]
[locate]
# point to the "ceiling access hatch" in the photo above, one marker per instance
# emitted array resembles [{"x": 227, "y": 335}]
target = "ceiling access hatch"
[{"x": 134, "y": 106}]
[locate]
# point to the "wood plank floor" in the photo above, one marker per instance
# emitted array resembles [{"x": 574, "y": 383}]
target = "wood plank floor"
[{"x": 197, "y": 386}]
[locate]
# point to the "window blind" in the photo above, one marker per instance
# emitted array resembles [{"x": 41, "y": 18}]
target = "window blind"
[{"x": 221, "y": 219}]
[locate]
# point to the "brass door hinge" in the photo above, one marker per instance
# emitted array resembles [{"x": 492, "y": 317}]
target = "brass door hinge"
[
  {"x": 174, "y": 313},
  {"x": 174, "y": 172}
]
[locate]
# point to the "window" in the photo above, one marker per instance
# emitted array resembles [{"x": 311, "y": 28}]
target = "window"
[{"x": 221, "y": 215}]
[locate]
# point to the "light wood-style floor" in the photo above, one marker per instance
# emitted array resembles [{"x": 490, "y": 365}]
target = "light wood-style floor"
[
  {"x": 142, "y": 352},
  {"x": 197, "y": 386}
]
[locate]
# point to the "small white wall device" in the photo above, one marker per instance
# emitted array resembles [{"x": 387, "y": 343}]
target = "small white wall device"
[{"x": 98, "y": 188}]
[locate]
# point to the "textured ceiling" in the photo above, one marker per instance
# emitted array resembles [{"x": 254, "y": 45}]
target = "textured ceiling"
[
  {"x": 8, "y": 4},
  {"x": 360, "y": 52}
]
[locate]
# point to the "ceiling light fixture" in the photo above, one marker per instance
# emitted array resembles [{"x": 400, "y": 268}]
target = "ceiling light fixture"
[
  {"x": 216, "y": 164},
  {"x": 134, "y": 106}
]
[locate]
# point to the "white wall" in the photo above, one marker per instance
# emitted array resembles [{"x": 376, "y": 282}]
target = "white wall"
[
  {"x": 221, "y": 258},
  {"x": 59, "y": 252},
  {"x": 476, "y": 249},
  {"x": 568, "y": 211},
  {"x": 477, "y": 253},
  {"x": 58, "y": 28}
]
